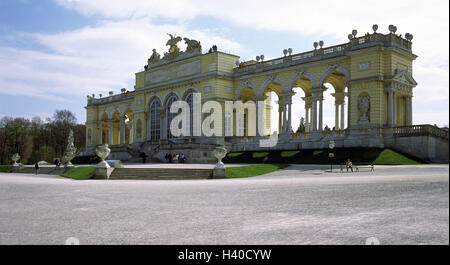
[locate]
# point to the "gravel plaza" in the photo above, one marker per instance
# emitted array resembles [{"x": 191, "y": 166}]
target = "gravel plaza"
[{"x": 301, "y": 204}]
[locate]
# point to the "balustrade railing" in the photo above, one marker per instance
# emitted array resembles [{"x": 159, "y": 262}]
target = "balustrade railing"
[
  {"x": 356, "y": 43},
  {"x": 421, "y": 130}
]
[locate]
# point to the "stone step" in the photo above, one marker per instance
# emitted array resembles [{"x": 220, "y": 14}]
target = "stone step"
[
  {"x": 160, "y": 173},
  {"x": 42, "y": 170}
]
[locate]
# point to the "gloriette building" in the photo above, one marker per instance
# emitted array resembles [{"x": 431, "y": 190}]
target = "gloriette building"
[{"x": 373, "y": 72}]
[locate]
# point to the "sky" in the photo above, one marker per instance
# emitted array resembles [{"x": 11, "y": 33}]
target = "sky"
[{"x": 55, "y": 52}]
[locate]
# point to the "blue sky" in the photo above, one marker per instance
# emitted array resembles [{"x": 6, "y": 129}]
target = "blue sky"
[{"x": 55, "y": 52}]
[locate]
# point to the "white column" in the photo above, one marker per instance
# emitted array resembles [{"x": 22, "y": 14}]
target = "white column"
[
  {"x": 280, "y": 121},
  {"x": 321, "y": 112},
  {"x": 289, "y": 127},
  {"x": 122, "y": 131},
  {"x": 342, "y": 126},
  {"x": 284, "y": 117},
  {"x": 307, "y": 119},
  {"x": 336, "y": 116},
  {"x": 314, "y": 113}
]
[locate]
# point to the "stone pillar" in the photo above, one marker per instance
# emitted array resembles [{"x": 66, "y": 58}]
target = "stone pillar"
[
  {"x": 390, "y": 107},
  {"x": 394, "y": 110},
  {"x": 342, "y": 126},
  {"x": 289, "y": 127},
  {"x": 110, "y": 133},
  {"x": 307, "y": 119},
  {"x": 321, "y": 112},
  {"x": 408, "y": 110},
  {"x": 314, "y": 113},
  {"x": 284, "y": 127},
  {"x": 336, "y": 116},
  {"x": 122, "y": 130},
  {"x": 280, "y": 121}
]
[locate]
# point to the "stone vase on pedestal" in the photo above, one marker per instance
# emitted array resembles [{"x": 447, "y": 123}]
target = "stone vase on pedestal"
[
  {"x": 15, "y": 157},
  {"x": 103, "y": 151},
  {"x": 103, "y": 170},
  {"x": 219, "y": 169}
]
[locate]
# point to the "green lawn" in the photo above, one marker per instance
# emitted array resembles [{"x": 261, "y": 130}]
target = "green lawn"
[
  {"x": 289, "y": 153},
  {"x": 234, "y": 154},
  {"x": 390, "y": 157},
  {"x": 5, "y": 168},
  {"x": 260, "y": 154},
  {"x": 80, "y": 173},
  {"x": 253, "y": 170}
]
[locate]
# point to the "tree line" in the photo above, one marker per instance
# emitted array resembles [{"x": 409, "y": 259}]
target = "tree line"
[{"x": 38, "y": 140}]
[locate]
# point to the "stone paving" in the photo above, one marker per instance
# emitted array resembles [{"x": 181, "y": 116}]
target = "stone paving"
[{"x": 301, "y": 204}]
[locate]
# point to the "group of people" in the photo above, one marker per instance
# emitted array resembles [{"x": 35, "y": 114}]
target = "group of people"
[{"x": 175, "y": 158}]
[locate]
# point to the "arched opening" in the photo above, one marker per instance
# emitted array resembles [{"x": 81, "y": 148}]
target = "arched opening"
[
  {"x": 169, "y": 115},
  {"x": 272, "y": 92},
  {"x": 302, "y": 105},
  {"x": 335, "y": 100},
  {"x": 245, "y": 95},
  {"x": 128, "y": 130},
  {"x": 104, "y": 134},
  {"x": 155, "y": 120},
  {"x": 116, "y": 128},
  {"x": 190, "y": 100}
]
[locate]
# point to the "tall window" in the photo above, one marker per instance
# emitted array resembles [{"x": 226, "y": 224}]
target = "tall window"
[
  {"x": 190, "y": 101},
  {"x": 89, "y": 136},
  {"x": 170, "y": 115},
  {"x": 155, "y": 120}
]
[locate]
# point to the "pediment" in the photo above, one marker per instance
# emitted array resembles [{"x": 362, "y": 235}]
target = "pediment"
[{"x": 404, "y": 77}]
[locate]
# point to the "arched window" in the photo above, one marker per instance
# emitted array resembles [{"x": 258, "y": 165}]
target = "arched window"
[
  {"x": 155, "y": 120},
  {"x": 190, "y": 101},
  {"x": 138, "y": 129},
  {"x": 89, "y": 136},
  {"x": 170, "y": 115}
]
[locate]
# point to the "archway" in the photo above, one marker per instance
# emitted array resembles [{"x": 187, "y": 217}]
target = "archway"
[
  {"x": 334, "y": 113},
  {"x": 169, "y": 116},
  {"x": 104, "y": 134}
]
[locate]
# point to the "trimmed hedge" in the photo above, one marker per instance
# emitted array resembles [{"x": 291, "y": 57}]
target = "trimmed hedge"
[
  {"x": 5, "y": 168},
  {"x": 86, "y": 160},
  {"x": 375, "y": 156}
]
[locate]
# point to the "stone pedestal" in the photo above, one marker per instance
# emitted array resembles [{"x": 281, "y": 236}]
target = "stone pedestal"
[
  {"x": 219, "y": 173},
  {"x": 103, "y": 173}
]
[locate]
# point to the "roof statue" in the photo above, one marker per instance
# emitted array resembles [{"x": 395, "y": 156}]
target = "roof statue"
[
  {"x": 174, "y": 50},
  {"x": 192, "y": 46}
]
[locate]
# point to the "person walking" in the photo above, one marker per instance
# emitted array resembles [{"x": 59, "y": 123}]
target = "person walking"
[
  {"x": 349, "y": 164},
  {"x": 36, "y": 166}
]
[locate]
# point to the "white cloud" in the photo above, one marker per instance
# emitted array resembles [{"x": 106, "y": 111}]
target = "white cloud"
[{"x": 88, "y": 60}]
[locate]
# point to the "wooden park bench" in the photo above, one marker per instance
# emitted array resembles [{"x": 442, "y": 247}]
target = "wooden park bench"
[
  {"x": 371, "y": 167},
  {"x": 357, "y": 167}
]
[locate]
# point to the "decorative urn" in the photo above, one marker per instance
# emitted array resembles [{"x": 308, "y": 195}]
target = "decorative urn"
[
  {"x": 219, "y": 153},
  {"x": 103, "y": 151},
  {"x": 15, "y": 157}
]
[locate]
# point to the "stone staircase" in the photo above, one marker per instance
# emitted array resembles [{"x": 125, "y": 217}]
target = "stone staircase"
[
  {"x": 161, "y": 173},
  {"x": 51, "y": 170}
]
